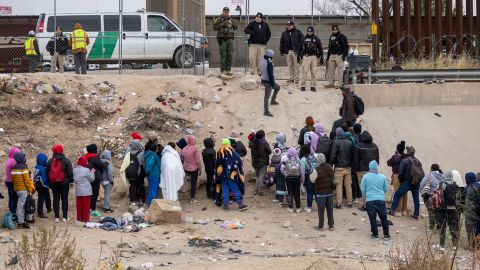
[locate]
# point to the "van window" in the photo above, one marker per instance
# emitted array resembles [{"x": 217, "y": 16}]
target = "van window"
[
  {"x": 131, "y": 23},
  {"x": 90, "y": 23},
  {"x": 159, "y": 24}
]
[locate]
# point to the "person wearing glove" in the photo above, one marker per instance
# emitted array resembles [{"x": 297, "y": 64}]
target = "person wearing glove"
[
  {"x": 289, "y": 43},
  {"x": 337, "y": 54},
  {"x": 310, "y": 54}
]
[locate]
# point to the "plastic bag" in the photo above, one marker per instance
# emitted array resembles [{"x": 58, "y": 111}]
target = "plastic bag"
[{"x": 8, "y": 221}]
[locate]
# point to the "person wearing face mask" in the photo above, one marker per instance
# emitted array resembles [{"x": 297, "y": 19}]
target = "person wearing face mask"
[
  {"x": 57, "y": 47},
  {"x": 260, "y": 34},
  {"x": 289, "y": 44},
  {"x": 310, "y": 55},
  {"x": 337, "y": 53}
]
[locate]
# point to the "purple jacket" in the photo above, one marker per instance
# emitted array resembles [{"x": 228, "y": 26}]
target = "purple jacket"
[
  {"x": 395, "y": 160},
  {"x": 292, "y": 154}
]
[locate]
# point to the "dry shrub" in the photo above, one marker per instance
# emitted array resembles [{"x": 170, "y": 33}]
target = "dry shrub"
[
  {"x": 420, "y": 255},
  {"x": 155, "y": 119},
  {"x": 440, "y": 62},
  {"x": 47, "y": 249},
  {"x": 474, "y": 256}
]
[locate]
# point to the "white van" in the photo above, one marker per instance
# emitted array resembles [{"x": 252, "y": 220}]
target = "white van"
[{"x": 148, "y": 38}]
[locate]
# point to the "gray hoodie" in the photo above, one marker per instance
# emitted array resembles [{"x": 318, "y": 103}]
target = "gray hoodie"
[
  {"x": 82, "y": 178},
  {"x": 106, "y": 158},
  {"x": 136, "y": 147},
  {"x": 435, "y": 177}
]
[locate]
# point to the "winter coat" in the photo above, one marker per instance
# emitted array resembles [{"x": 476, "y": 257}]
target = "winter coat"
[
  {"x": 209, "y": 155},
  {"x": 239, "y": 147},
  {"x": 94, "y": 162},
  {"x": 10, "y": 163},
  {"x": 341, "y": 154},
  {"x": 310, "y": 45},
  {"x": 374, "y": 185},
  {"x": 338, "y": 45},
  {"x": 309, "y": 163},
  {"x": 364, "y": 152},
  {"x": 152, "y": 164},
  {"x": 40, "y": 176},
  {"x": 394, "y": 161},
  {"x": 280, "y": 143},
  {"x": 225, "y": 27},
  {"x": 259, "y": 32},
  {"x": 471, "y": 202},
  {"x": 301, "y": 138},
  {"x": 404, "y": 169},
  {"x": 83, "y": 177},
  {"x": 21, "y": 174},
  {"x": 292, "y": 154},
  {"x": 266, "y": 71},
  {"x": 435, "y": 177},
  {"x": 106, "y": 158},
  {"x": 62, "y": 44},
  {"x": 66, "y": 166},
  {"x": 323, "y": 183},
  {"x": 347, "y": 111},
  {"x": 191, "y": 155},
  {"x": 260, "y": 151},
  {"x": 87, "y": 41},
  {"x": 290, "y": 40},
  {"x": 228, "y": 165},
  {"x": 324, "y": 146}
]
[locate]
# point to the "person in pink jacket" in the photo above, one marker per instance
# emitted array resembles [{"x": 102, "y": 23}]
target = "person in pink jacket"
[
  {"x": 192, "y": 164},
  {"x": 12, "y": 195}
]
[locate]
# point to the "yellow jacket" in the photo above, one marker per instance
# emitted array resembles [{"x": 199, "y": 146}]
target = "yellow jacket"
[{"x": 21, "y": 180}]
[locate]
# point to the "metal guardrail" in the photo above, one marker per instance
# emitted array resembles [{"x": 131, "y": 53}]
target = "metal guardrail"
[{"x": 452, "y": 75}]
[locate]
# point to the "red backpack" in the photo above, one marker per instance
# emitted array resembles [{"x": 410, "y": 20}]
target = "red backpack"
[{"x": 56, "y": 173}]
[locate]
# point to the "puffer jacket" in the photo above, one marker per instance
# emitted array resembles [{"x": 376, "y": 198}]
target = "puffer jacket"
[
  {"x": 259, "y": 32},
  {"x": 347, "y": 111},
  {"x": 10, "y": 163},
  {"x": 209, "y": 155},
  {"x": 66, "y": 166},
  {"x": 364, "y": 152},
  {"x": 260, "y": 153},
  {"x": 239, "y": 147},
  {"x": 324, "y": 146},
  {"x": 83, "y": 177},
  {"x": 191, "y": 155},
  {"x": 21, "y": 174},
  {"x": 342, "y": 152},
  {"x": 152, "y": 164}
]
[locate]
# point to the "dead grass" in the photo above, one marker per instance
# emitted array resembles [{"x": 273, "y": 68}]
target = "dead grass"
[
  {"x": 157, "y": 119},
  {"x": 441, "y": 62}
]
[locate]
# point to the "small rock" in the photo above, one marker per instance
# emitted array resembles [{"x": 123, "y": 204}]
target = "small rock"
[
  {"x": 248, "y": 84},
  {"x": 103, "y": 242},
  {"x": 57, "y": 90},
  {"x": 165, "y": 211},
  {"x": 197, "y": 106},
  {"x": 287, "y": 224},
  {"x": 103, "y": 87}
]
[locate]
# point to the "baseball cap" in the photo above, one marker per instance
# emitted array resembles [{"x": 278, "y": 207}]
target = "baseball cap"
[
  {"x": 290, "y": 22},
  {"x": 226, "y": 8}
]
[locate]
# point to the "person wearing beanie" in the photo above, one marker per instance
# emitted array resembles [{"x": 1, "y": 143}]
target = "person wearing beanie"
[
  {"x": 94, "y": 162},
  {"x": 225, "y": 25},
  {"x": 470, "y": 205},
  {"x": 294, "y": 173},
  {"x": 289, "y": 44},
  {"x": 136, "y": 136},
  {"x": 259, "y": 34},
  {"x": 209, "y": 157},
  {"x": 336, "y": 56},
  {"x": 324, "y": 187},
  {"x": 268, "y": 81},
  {"x": 23, "y": 186},
  {"x": 407, "y": 183},
  {"x": 374, "y": 187},
  {"x": 341, "y": 157},
  {"x": 42, "y": 186},
  {"x": 228, "y": 176},
  {"x": 83, "y": 177},
  {"x": 12, "y": 195},
  {"x": 192, "y": 164},
  {"x": 237, "y": 144},
  {"x": 363, "y": 153},
  {"x": 260, "y": 151},
  {"x": 59, "y": 171},
  {"x": 357, "y": 130},
  {"x": 394, "y": 162},
  {"x": 309, "y": 56},
  {"x": 309, "y": 127}
]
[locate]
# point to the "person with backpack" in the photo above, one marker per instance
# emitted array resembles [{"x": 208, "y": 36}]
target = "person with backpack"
[
  {"x": 363, "y": 153},
  {"x": 95, "y": 163},
  {"x": 324, "y": 187},
  {"x": 447, "y": 211},
  {"x": 83, "y": 177},
  {"x": 134, "y": 172},
  {"x": 12, "y": 195},
  {"x": 410, "y": 174},
  {"x": 394, "y": 162},
  {"x": 324, "y": 143},
  {"x": 268, "y": 81},
  {"x": 60, "y": 176},
  {"x": 471, "y": 208},
  {"x": 348, "y": 109},
  {"x": 152, "y": 171},
  {"x": 294, "y": 173},
  {"x": 374, "y": 187},
  {"x": 107, "y": 180},
  {"x": 309, "y": 56},
  {"x": 309, "y": 163},
  {"x": 309, "y": 127},
  {"x": 23, "y": 186},
  {"x": 42, "y": 186},
  {"x": 209, "y": 157},
  {"x": 192, "y": 164},
  {"x": 260, "y": 151},
  {"x": 428, "y": 186},
  {"x": 341, "y": 156}
]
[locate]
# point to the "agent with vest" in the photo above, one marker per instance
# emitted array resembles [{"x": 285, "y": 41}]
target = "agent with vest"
[
  {"x": 310, "y": 55},
  {"x": 79, "y": 42},
  {"x": 225, "y": 26},
  {"x": 260, "y": 34},
  {"x": 337, "y": 53},
  {"x": 31, "y": 51},
  {"x": 58, "y": 47},
  {"x": 289, "y": 44}
]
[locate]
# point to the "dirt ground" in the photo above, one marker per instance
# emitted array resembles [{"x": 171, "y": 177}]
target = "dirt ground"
[{"x": 265, "y": 242}]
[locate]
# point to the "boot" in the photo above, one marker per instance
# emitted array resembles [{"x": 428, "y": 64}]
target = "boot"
[
  {"x": 267, "y": 113},
  {"x": 273, "y": 102}
]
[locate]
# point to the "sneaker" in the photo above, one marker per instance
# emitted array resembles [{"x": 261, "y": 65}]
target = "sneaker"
[
  {"x": 65, "y": 219},
  {"x": 193, "y": 201},
  {"x": 391, "y": 213},
  {"x": 320, "y": 229},
  {"x": 299, "y": 210},
  {"x": 414, "y": 217},
  {"x": 42, "y": 216},
  {"x": 242, "y": 207},
  {"x": 313, "y": 89},
  {"x": 404, "y": 213},
  {"x": 308, "y": 210},
  {"x": 328, "y": 85},
  {"x": 290, "y": 210},
  {"x": 441, "y": 249},
  {"x": 274, "y": 103},
  {"x": 331, "y": 229},
  {"x": 349, "y": 205},
  {"x": 23, "y": 225},
  {"x": 302, "y": 89},
  {"x": 108, "y": 210},
  {"x": 386, "y": 237},
  {"x": 57, "y": 220},
  {"x": 275, "y": 201},
  {"x": 268, "y": 114},
  {"x": 374, "y": 237}
]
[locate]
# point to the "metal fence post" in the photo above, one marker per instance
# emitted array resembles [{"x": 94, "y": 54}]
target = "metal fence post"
[
  {"x": 55, "y": 33},
  {"x": 247, "y": 21},
  {"x": 183, "y": 37},
  {"x": 120, "y": 37}
]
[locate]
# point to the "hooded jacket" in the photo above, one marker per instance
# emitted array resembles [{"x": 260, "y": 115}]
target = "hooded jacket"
[
  {"x": 83, "y": 176},
  {"x": 471, "y": 199},
  {"x": 66, "y": 164},
  {"x": 292, "y": 154},
  {"x": 280, "y": 142},
  {"x": 87, "y": 41},
  {"x": 94, "y": 162},
  {"x": 260, "y": 151},
  {"x": 191, "y": 155},
  {"x": 228, "y": 165},
  {"x": 209, "y": 155},
  {"x": 152, "y": 164},
  {"x": 267, "y": 74},
  {"x": 106, "y": 158},
  {"x": 374, "y": 184},
  {"x": 40, "y": 175},
  {"x": 364, "y": 152},
  {"x": 290, "y": 40},
  {"x": 395, "y": 160},
  {"x": 21, "y": 174},
  {"x": 404, "y": 168},
  {"x": 239, "y": 147},
  {"x": 347, "y": 111},
  {"x": 342, "y": 152},
  {"x": 259, "y": 32},
  {"x": 435, "y": 177},
  {"x": 10, "y": 163},
  {"x": 324, "y": 143}
]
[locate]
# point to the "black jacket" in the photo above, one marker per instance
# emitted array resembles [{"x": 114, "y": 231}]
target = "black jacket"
[
  {"x": 62, "y": 45},
  {"x": 310, "y": 45},
  {"x": 239, "y": 147},
  {"x": 404, "y": 169},
  {"x": 301, "y": 138},
  {"x": 209, "y": 155},
  {"x": 290, "y": 40},
  {"x": 324, "y": 146},
  {"x": 364, "y": 152},
  {"x": 97, "y": 164},
  {"x": 337, "y": 44},
  {"x": 342, "y": 152},
  {"x": 66, "y": 166},
  {"x": 259, "y": 32},
  {"x": 260, "y": 153}
]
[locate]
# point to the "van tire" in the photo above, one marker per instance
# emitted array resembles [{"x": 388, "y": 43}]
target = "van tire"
[
  {"x": 46, "y": 68},
  {"x": 69, "y": 64},
  {"x": 189, "y": 60}
]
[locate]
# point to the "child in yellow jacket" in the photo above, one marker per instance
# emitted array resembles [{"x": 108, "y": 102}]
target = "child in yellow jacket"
[{"x": 22, "y": 185}]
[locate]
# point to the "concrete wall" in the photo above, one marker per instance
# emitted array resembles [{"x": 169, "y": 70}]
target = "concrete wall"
[{"x": 418, "y": 94}]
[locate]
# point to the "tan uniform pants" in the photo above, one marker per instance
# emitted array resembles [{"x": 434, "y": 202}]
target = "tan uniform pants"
[
  {"x": 335, "y": 69},
  {"x": 343, "y": 175},
  {"x": 57, "y": 58},
  {"x": 292, "y": 65},
  {"x": 256, "y": 53},
  {"x": 309, "y": 64}
]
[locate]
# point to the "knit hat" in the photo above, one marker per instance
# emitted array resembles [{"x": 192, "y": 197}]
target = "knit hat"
[
  {"x": 234, "y": 135},
  {"x": 373, "y": 166},
  {"x": 136, "y": 136},
  {"x": 269, "y": 53},
  {"x": 309, "y": 121},
  {"x": 357, "y": 128},
  {"x": 251, "y": 136},
  {"x": 339, "y": 132},
  {"x": 410, "y": 150},
  {"x": 320, "y": 158},
  {"x": 401, "y": 147},
  {"x": 226, "y": 142},
  {"x": 335, "y": 27},
  {"x": 290, "y": 22},
  {"x": 310, "y": 29},
  {"x": 152, "y": 135},
  {"x": 182, "y": 143},
  {"x": 82, "y": 161},
  {"x": 20, "y": 158},
  {"x": 92, "y": 148},
  {"x": 57, "y": 149},
  {"x": 470, "y": 178},
  {"x": 259, "y": 14}
]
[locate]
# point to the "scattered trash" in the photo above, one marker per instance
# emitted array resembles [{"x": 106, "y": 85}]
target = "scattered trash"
[
  {"x": 201, "y": 221},
  {"x": 217, "y": 98},
  {"x": 197, "y": 106},
  {"x": 203, "y": 242},
  {"x": 57, "y": 90},
  {"x": 232, "y": 225},
  {"x": 134, "y": 94},
  {"x": 147, "y": 265},
  {"x": 204, "y": 209},
  {"x": 187, "y": 219},
  {"x": 182, "y": 94},
  {"x": 189, "y": 131},
  {"x": 352, "y": 229}
]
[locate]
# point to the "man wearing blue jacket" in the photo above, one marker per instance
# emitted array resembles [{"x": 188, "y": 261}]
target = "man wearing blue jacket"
[
  {"x": 268, "y": 80},
  {"x": 374, "y": 186}
]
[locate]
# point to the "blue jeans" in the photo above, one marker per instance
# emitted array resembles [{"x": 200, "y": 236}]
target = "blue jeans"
[
  {"x": 12, "y": 198},
  {"x": 228, "y": 185},
  {"x": 309, "y": 188},
  {"x": 153, "y": 182},
  {"x": 380, "y": 208},
  {"x": 402, "y": 190}
]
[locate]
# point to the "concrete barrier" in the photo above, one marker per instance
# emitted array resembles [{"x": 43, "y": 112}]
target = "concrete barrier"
[{"x": 418, "y": 94}]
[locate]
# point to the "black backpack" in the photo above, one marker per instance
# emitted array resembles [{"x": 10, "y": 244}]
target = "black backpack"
[
  {"x": 30, "y": 205},
  {"x": 324, "y": 145},
  {"x": 416, "y": 171},
  {"x": 450, "y": 191},
  {"x": 133, "y": 170},
  {"x": 359, "y": 106}
]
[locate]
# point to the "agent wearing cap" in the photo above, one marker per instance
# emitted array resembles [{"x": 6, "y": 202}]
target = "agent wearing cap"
[
  {"x": 260, "y": 34},
  {"x": 310, "y": 54},
  {"x": 225, "y": 26},
  {"x": 337, "y": 53},
  {"x": 289, "y": 44},
  {"x": 31, "y": 51}
]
